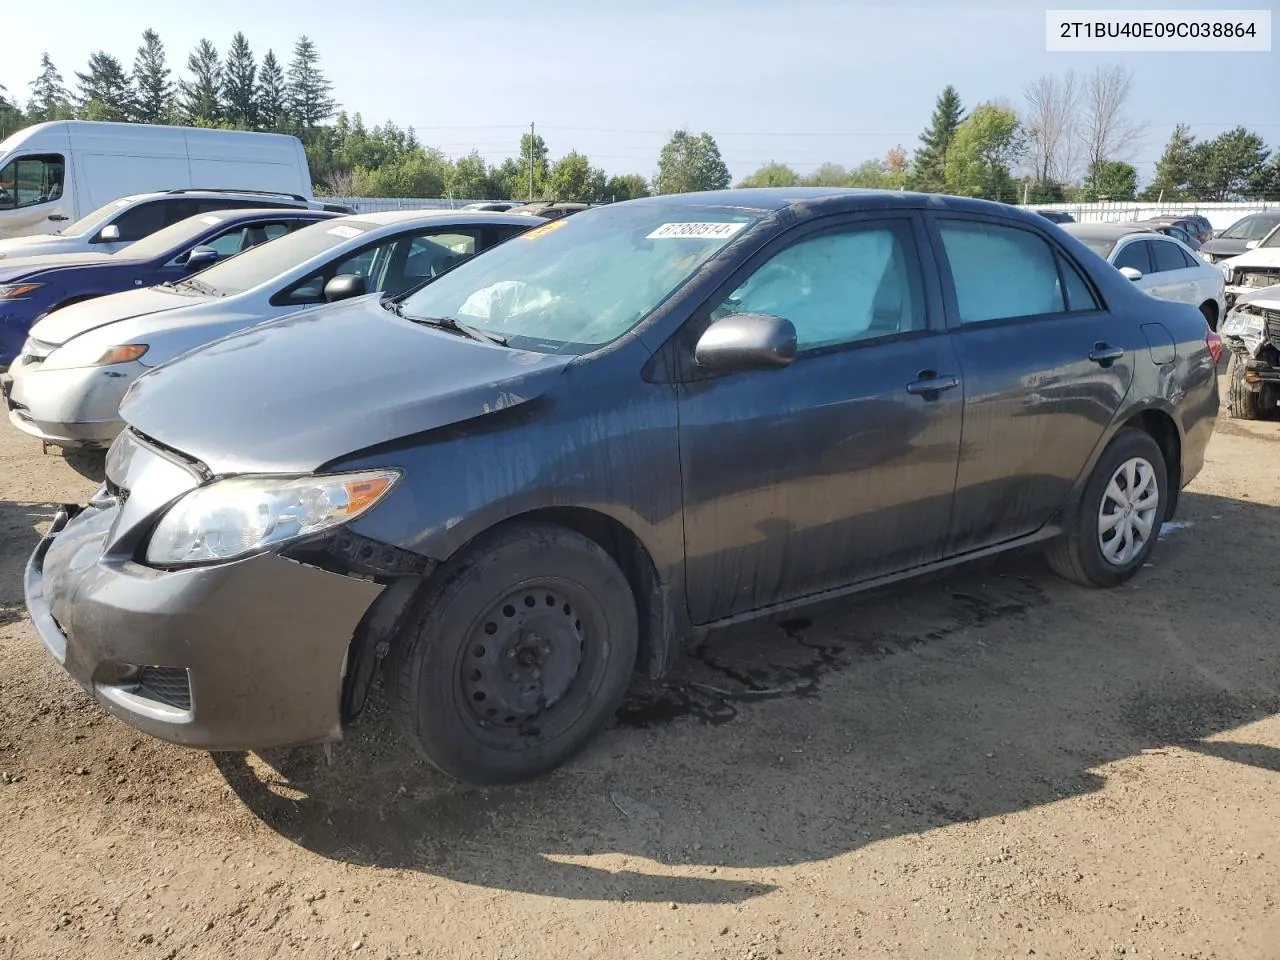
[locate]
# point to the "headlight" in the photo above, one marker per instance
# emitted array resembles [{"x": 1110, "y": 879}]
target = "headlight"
[
  {"x": 238, "y": 516},
  {"x": 88, "y": 353},
  {"x": 17, "y": 291},
  {"x": 1241, "y": 324},
  {"x": 1227, "y": 272}
]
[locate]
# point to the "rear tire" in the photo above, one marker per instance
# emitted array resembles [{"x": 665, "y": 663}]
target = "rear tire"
[
  {"x": 1242, "y": 402},
  {"x": 517, "y": 654},
  {"x": 1116, "y": 522}
]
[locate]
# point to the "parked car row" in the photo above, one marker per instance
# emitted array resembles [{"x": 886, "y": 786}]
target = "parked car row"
[{"x": 524, "y": 458}]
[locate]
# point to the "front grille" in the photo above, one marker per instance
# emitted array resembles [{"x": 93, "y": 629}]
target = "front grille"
[
  {"x": 167, "y": 685},
  {"x": 1272, "y": 320},
  {"x": 1258, "y": 278}
]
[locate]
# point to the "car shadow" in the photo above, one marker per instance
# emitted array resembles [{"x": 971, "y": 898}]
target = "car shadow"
[
  {"x": 90, "y": 464},
  {"x": 975, "y": 695},
  {"x": 18, "y": 536}
]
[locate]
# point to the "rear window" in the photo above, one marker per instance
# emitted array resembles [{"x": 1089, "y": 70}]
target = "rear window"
[{"x": 262, "y": 263}]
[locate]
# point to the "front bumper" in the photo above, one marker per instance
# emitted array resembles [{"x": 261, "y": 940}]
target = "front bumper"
[
  {"x": 237, "y": 656},
  {"x": 71, "y": 408}
]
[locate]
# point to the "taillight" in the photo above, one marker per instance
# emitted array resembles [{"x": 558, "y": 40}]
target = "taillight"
[{"x": 1213, "y": 340}]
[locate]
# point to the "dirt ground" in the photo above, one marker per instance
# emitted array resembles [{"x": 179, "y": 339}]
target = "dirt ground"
[{"x": 992, "y": 764}]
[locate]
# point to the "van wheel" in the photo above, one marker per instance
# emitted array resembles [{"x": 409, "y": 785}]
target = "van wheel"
[
  {"x": 1242, "y": 402},
  {"x": 517, "y": 654},
  {"x": 1117, "y": 520}
]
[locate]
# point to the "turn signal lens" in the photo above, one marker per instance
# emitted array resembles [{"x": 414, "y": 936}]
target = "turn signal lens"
[
  {"x": 121, "y": 354},
  {"x": 15, "y": 291}
]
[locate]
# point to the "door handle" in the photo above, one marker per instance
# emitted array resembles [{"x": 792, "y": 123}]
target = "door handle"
[
  {"x": 1104, "y": 355},
  {"x": 58, "y": 216},
  {"x": 929, "y": 384}
]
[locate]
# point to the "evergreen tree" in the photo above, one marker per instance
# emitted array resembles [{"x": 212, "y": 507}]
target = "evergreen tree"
[
  {"x": 241, "y": 84},
  {"x": 272, "y": 97},
  {"x": 1174, "y": 170},
  {"x": 105, "y": 93},
  {"x": 931, "y": 158},
  {"x": 202, "y": 95},
  {"x": 308, "y": 90},
  {"x": 153, "y": 90},
  {"x": 49, "y": 97}
]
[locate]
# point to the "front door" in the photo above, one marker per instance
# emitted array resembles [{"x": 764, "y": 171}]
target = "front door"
[
  {"x": 1046, "y": 367},
  {"x": 841, "y": 466}
]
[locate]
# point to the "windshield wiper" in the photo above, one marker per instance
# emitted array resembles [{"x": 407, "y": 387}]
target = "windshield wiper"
[{"x": 447, "y": 323}]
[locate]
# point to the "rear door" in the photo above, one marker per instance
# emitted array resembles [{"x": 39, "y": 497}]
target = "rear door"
[
  {"x": 1173, "y": 278},
  {"x": 1045, "y": 369}
]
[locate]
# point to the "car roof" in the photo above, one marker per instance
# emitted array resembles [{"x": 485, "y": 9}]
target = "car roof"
[
  {"x": 1107, "y": 231},
  {"x": 387, "y": 218},
  {"x": 835, "y": 200},
  {"x": 252, "y": 213}
]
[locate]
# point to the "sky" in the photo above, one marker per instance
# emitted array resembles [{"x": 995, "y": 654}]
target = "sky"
[{"x": 797, "y": 81}]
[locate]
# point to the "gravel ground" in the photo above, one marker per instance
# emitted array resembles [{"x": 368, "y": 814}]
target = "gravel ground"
[{"x": 990, "y": 764}]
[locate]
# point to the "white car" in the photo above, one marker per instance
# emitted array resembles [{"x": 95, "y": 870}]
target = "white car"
[
  {"x": 1258, "y": 268},
  {"x": 1157, "y": 264},
  {"x": 66, "y": 386}
]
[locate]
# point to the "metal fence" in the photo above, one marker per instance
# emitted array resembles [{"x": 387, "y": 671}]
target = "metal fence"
[{"x": 1221, "y": 215}]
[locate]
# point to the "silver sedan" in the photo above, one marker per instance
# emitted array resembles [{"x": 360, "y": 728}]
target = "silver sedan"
[{"x": 66, "y": 386}]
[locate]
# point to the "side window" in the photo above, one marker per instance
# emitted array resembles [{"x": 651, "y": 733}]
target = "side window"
[
  {"x": 856, "y": 283},
  {"x": 426, "y": 257},
  {"x": 143, "y": 220},
  {"x": 368, "y": 263},
  {"x": 30, "y": 180},
  {"x": 1167, "y": 256},
  {"x": 1188, "y": 260},
  {"x": 1000, "y": 272},
  {"x": 242, "y": 238},
  {"x": 1079, "y": 296},
  {"x": 1134, "y": 254}
]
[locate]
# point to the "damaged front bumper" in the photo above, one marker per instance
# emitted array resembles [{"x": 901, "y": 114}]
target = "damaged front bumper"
[{"x": 241, "y": 655}]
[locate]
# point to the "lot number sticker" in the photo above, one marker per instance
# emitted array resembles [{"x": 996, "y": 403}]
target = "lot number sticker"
[
  {"x": 346, "y": 233},
  {"x": 695, "y": 231}
]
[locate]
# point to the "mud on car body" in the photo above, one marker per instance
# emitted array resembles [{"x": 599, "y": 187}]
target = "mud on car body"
[{"x": 539, "y": 472}]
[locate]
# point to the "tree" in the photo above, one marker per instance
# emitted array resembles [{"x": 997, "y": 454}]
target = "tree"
[
  {"x": 202, "y": 96},
  {"x": 931, "y": 158},
  {"x": 49, "y": 98},
  {"x": 1107, "y": 132},
  {"x": 469, "y": 178},
  {"x": 688, "y": 163},
  {"x": 308, "y": 90},
  {"x": 1228, "y": 167},
  {"x": 1050, "y": 122},
  {"x": 153, "y": 90},
  {"x": 240, "y": 84},
  {"x": 628, "y": 186},
  {"x": 986, "y": 144},
  {"x": 573, "y": 178},
  {"x": 827, "y": 175},
  {"x": 772, "y": 174},
  {"x": 870, "y": 175},
  {"x": 105, "y": 93},
  {"x": 272, "y": 95},
  {"x": 1110, "y": 180},
  {"x": 422, "y": 173},
  {"x": 1173, "y": 176},
  {"x": 11, "y": 118}
]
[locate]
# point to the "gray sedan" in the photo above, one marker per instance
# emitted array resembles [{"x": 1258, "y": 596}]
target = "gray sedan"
[{"x": 78, "y": 362}]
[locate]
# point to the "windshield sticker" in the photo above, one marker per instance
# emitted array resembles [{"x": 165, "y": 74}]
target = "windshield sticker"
[
  {"x": 544, "y": 228},
  {"x": 211, "y": 221},
  {"x": 695, "y": 231},
  {"x": 346, "y": 233}
]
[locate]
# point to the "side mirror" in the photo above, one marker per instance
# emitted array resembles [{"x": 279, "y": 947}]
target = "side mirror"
[
  {"x": 1251, "y": 245},
  {"x": 747, "y": 341},
  {"x": 1131, "y": 273},
  {"x": 200, "y": 257},
  {"x": 345, "y": 286},
  {"x": 109, "y": 234}
]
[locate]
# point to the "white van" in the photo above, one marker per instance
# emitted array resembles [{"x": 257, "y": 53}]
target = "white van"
[{"x": 52, "y": 174}]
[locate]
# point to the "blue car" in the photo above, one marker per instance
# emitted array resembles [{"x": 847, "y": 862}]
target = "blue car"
[{"x": 33, "y": 286}]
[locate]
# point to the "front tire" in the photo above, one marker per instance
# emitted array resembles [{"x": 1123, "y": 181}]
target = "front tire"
[
  {"x": 1242, "y": 402},
  {"x": 1117, "y": 520},
  {"x": 517, "y": 654}
]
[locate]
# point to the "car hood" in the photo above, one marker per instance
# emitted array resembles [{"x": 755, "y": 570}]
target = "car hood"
[
  {"x": 1261, "y": 257},
  {"x": 12, "y": 268},
  {"x": 299, "y": 392},
  {"x": 77, "y": 318},
  {"x": 1224, "y": 247},
  {"x": 37, "y": 246}
]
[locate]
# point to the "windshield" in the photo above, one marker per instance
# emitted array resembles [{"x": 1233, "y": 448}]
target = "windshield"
[
  {"x": 172, "y": 238},
  {"x": 268, "y": 260},
  {"x": 577, "y": 283},
  {"x": 88, "y": 222},
  {"x": 1272, "y": 239},
  {"x": 1250, "y": 228}
]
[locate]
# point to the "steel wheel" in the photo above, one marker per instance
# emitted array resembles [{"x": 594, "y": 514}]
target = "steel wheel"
[
  {"x": 1127, "y": 513},
  {"x": 532, "y": 662}
]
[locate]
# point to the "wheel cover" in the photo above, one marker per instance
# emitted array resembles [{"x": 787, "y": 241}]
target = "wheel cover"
[
  {"x": 532, "y": 662},
  {"x": 1127, "y": 514}
]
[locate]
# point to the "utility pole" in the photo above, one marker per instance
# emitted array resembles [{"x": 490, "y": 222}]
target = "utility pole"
[{"x": 531, "y": 163}]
